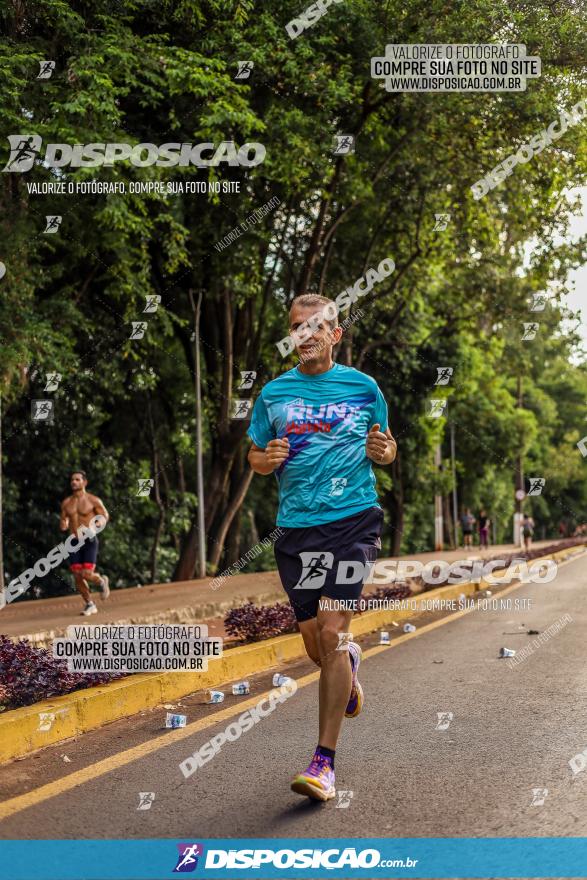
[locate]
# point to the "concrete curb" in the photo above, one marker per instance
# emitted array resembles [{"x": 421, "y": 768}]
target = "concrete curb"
[{"x": 33, "y": 727}]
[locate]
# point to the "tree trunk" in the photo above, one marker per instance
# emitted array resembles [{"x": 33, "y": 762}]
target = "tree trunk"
[
  {"x": 449, "y": 532},
  {"x": 196, "y": 309},
  {"x": 186, "y": 564},
  {"x": 395, "y": 506},
  {"x": 253, "y": 527},
  {"x": 161, "y": 521},
  {"x": 233, "y": 541},
  {"x": 219, "y": 536},
  {"x": 158, "y": 500},
  {"x": 219, "y": 510}
]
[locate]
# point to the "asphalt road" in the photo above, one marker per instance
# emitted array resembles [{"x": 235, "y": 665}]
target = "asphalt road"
[
  {"x": 513, "y": 730},
  {"x": 184, "y": 600}
]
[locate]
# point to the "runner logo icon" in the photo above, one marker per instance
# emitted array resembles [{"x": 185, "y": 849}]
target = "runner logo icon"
[
  {"x": 315, "y": 567},
  {"x": 539, "y": 795},
  {"x": 24, "y": 149},
  {"x": 188, "y": 857},
  {"x": 338, "y": 484},
  {"x": 537, "y": 484},
  {"x": 444, "y": 719}
]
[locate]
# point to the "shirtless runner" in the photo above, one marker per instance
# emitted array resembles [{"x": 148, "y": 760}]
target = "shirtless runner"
[{"x": 78, "y": 510}]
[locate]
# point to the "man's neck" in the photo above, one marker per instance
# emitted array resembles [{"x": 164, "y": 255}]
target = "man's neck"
[
  {"x": 79, "y": 491},
  {"x": 314, "y": 368}
]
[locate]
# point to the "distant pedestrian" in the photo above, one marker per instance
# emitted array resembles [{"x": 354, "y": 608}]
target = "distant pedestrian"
[
  {"x": 527, "y": 531},
  {"x": 467, "y": 524},
  {"x": 484, "y": 523}
]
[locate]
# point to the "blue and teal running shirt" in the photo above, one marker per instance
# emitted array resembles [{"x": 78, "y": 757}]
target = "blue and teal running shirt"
[{"x": 326, "y": 419}]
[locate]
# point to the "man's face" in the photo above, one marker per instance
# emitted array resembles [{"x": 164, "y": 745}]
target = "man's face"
[
  {"x": 321, "y": 338},
  {"x": 77, "y": 482}
]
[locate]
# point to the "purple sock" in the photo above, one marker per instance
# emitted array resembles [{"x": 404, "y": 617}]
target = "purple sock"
[{"x": 326, "y": 753}]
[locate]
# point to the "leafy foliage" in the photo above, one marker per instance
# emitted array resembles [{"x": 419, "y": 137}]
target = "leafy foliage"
[
  {"x": 29, "y": 674},
  {"x": 165, "y": 72},
  {"x": 252, "y": 622}
]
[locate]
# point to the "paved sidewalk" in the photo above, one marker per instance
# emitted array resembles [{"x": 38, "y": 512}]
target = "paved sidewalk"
[{"x": 184, "y": 601}]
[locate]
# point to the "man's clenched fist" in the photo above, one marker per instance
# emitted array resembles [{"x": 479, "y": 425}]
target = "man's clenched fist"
[
  {"x": 277, "y": 452},
  {"x": 380, "y": 447}
]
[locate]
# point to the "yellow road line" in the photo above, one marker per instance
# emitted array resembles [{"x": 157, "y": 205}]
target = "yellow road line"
[{"x": 93, "y": 771}]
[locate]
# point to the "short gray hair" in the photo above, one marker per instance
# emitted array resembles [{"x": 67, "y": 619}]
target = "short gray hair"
[{"x": 314, "y": 299}]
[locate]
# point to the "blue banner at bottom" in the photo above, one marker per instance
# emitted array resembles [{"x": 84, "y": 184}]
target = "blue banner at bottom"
[{"x": 416, "y": 857}]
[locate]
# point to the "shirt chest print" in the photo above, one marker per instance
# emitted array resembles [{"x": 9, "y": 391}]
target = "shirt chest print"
[
  {"x": 307, "y": 419},
  {"x": 302, "y": 418}
]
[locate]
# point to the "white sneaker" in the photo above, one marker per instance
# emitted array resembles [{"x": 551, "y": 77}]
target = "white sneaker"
[
  {"x": 89, "y": 609},
  {"x": 105, "y": 587}
]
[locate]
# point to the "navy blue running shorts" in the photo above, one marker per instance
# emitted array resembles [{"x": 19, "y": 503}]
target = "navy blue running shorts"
[
  {"x": 85, "y": 558},
  {"x": 315, "y": 562}
]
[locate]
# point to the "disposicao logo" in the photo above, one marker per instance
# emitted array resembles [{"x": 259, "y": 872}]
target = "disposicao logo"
[{"x": 26, "y": 148}]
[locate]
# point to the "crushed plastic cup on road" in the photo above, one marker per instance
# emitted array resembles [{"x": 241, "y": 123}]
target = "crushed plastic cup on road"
[
  {"x": 174, "y": 721},
  {"x": 384, "y": 638},
  {"x": 507, "y": 652},
  {"x": 409, "y": 628},
  {"x": 240, "y": 688},
  {"x": 279, "y": 680},
  {"x": 214, "y": 696}
]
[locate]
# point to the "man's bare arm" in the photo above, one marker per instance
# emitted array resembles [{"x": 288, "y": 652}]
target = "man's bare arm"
[
  {"x": 100, "y": 510},
  {"x": 265, "y": 461},
  {"x": 63, "y": 518}
]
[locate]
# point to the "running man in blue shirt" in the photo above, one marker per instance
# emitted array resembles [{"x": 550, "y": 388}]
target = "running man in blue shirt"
[{"x": 318, "y": 428}]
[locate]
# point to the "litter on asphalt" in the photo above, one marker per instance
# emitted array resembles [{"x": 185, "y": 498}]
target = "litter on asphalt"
[
  {"x": 279, "y": 680},
  {"x": 241, "y": 688},
  {"x": 174, "y": 721}
]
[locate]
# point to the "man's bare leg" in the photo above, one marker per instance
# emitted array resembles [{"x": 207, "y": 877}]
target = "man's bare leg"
[
  {"x": 309, "y": 631},
  {"x": 335, "y": 676},
  {"x": 99, "y": 580},
  {"x": 321, "y": 639},
  {"x": 82, "y": 586}
]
